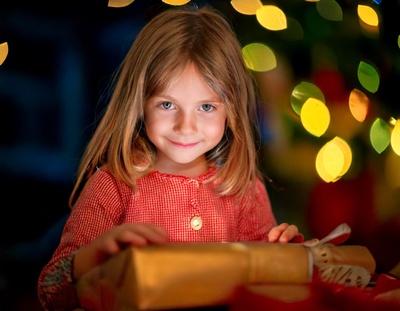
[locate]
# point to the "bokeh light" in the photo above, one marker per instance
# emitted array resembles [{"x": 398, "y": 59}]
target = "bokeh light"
[
  {"x": 246, "y": 7},
  {"x": 3, "y": 52},
  {"x": 358, "y": 105},
  {"x": 176, "y": 2},
  {"x": 119, "y": 3},
  {"x": 259, "y": 57},
  {"x": 333, "y": 160},
  {"x": 368, "y": 20},
  {"x": 271, "y": 17},
  {"x": 368, "y": 76},
  {"x": 302, "y": 92},
  {"x": 368, "y": 15},
  {"x": 294, "y": 30},
  {"x": 330, "y": 10},
  {"x": 379, "y": 135},
  {"x": 315, "y": 116},
  {"x": 395, "y": 138}
]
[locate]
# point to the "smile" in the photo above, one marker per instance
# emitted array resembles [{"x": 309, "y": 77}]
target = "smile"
[{"x": 183, "y": 145}]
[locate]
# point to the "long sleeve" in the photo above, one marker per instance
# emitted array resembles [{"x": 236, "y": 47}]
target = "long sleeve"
[
  {"x": 256, "y": 217},
  {"x": 97, "y": 210}
]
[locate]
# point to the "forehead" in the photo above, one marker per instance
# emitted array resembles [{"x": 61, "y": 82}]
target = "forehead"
[{"x": 189, "y": 86}]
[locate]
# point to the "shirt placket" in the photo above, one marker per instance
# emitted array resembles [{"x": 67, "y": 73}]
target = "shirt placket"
[{"x": 196, "y": 220}]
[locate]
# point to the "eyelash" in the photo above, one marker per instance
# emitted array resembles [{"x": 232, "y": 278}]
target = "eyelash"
[{"x": 162, "y": 105}]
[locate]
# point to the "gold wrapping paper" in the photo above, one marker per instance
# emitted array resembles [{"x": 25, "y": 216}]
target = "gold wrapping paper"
[{"x": 189, "y": 275}]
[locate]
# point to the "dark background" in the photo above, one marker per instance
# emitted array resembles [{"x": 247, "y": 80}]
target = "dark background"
[{"x": 54, "y": 84}]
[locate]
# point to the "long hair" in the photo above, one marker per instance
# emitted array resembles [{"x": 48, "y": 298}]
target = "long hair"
[{"x": 159, "y": 53}]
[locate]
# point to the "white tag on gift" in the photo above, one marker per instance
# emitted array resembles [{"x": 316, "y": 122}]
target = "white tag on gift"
[{"x": 337, "y": 236}]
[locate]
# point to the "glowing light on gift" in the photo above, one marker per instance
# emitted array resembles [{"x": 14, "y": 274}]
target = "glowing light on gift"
[
  {"x": 246, "y": 7},
  {"x": 176, "y": 2},
  {"x": 259, "y": 57},
  {"x": 368, "y": 76},
  {"x": 368, "y": 15},
  {"x": 359, "y": 105},
  {"x": 271, "y": 17},
  {"x": 3, "y": 52},
  {"x": 119, "y": 3},
  {"x": 330, "y": 10},
  {"x": 333, "y": 160},
  {"x": 392, "y": 170},
  {"x": 395, "y": 138},
  {"x": 379, "y": 135},
  {"x": 302, "y": 92},
  {"x": 315, "y": 117}
]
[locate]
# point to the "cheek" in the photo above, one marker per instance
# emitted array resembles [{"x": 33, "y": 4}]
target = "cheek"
[
  {"x": 156, "y": 126},
  {"x": 150, "y": 125},
  {"x": 151, "y": 130},
  {"x": 217, "y": 129}
]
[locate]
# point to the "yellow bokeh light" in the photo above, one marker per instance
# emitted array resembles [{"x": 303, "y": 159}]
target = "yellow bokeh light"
[
  {"x": 368, "y": 15},
  {"x": 359, "y": 105},
  {"x": 320, "y": 167},
  {"x": 247, "y": 7},
  {"x": 395, "y": 138},
  {"x": 302, "y": 92},
  {"x": 333, "y": 160},
  {"x": 271, "y": 17},
  {"x": 119, "y": 3},
  {"x": 259, "y": 57},
  {"x": 346, "y": 151},
  {"x": 3, "y": 52},
  {"x": 315, "y": 116},
  {"x": 176, "y": 2}
]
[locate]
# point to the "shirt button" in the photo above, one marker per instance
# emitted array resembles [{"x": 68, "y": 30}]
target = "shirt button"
[
  {"x": 196, "y": 223},
  {"x": 194, "y": 182}
]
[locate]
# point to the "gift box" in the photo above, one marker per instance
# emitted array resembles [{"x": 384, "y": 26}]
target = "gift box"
[{"x": 191, "y": 275}]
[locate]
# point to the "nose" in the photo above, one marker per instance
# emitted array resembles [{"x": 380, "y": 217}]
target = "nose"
[{"x": 185, "y": 123}]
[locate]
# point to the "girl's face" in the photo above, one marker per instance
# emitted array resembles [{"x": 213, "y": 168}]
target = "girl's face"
[{"x": 184, "y": 122}]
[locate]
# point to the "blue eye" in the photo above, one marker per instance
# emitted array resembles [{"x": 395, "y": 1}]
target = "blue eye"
[
  {"x": 207, "y": 107},
  {"x": 167, "y": 105}
]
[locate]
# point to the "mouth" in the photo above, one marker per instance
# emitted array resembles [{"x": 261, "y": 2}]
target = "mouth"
[{"x": 183, "y": 145}]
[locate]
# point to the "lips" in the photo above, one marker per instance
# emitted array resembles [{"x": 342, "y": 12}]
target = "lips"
[{"x": 183, "y": 145}]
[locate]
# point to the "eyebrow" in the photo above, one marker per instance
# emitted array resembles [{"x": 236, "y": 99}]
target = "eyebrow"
[{"x": 205, "y": 100}]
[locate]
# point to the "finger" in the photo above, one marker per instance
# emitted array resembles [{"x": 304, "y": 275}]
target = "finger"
[
  {"x": 143, "y": 234},
  {"x": 275, "y": 233},
  {"x": 290, "y": 232}
]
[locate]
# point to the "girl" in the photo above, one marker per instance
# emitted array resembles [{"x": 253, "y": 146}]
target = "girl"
[{"x": 173, "y": 158}]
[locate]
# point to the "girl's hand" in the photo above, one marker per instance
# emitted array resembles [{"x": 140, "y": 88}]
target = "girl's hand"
[
  {"x": 285, "y": 233},
  {"x": 112, "y": 242}
]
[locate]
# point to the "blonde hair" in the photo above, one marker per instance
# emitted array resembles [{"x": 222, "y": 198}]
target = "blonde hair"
[{"x": 161, "y": 50}]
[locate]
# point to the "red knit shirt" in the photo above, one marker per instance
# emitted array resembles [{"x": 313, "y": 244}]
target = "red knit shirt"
[{"x": 187, "y": 208}]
